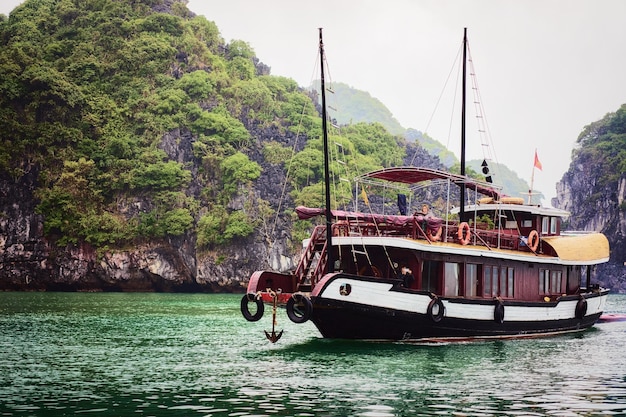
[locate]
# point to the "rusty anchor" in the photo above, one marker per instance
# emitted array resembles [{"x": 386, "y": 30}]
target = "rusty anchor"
[{"x": 273, "y": 336}]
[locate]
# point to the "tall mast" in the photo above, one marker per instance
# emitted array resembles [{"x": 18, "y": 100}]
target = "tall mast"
[
  {"x": 462, "y": 208},
  {"x": 330, "y": 265}
]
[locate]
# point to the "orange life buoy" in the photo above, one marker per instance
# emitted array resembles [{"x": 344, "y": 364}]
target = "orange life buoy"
[
  {"x": 436, "y": 237},
  {"x": 533, "y": 240},
  {"x": 464, "y": 233}
]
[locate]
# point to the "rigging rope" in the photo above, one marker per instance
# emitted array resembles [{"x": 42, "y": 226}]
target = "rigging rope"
[
  {"x": 341, "y": 159},
  {"x": 272, "y": 233},
  {"x": 481, "y": 117},
  {"x": 337, "y": 199},
  {"x": 483, "y": 129},
  {"x": 432, "y": 115}
]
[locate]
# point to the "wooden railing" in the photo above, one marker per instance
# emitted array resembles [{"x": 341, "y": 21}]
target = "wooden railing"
[
  {"x": 490, "y": 238},
  {"x": 480, "y": 236}
]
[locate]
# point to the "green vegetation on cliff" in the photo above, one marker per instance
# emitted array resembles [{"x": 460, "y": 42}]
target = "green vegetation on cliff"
[
  {"x": 604, "y": 143},
  {"x": 141, "y": 123},
  {"x": 358, "y": 106},
  {"x": 137, "y": 119},
  {"x": 88, "y": 91}
]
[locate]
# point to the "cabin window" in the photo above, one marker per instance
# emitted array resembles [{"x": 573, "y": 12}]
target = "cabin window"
[
  {"x": 499, "y": 282},
  {"x": 510, "y": 283},
  {"x": 555, "y": 282},
  {"x": 502, "y": 281},
  {"x": 490, "y": 287},
  {"x": 549, "y": 225},
  {"x": 451, "y": 279},
  {"x": 487, "y": 281},
  {"x": 573, "y": 282},
  {"x": 430, "y": 276},
  {"x": 506, "y": 282},
  {"x": 471, "y": 280},
  {"x": 544, "y": 281},
  {"x": 550, "y": 282}
]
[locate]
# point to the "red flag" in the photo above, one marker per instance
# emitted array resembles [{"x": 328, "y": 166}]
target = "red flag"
[{"x": 537, "y": 162}]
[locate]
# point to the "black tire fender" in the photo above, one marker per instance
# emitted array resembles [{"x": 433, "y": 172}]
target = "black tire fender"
[
  {"x": 498, "y": 312},
  {"x": 581, "y": 308},
  {"x": 435, "y": 310},
  {"x": 299, "y": 308},
  {"x": 245, "y": 309}
]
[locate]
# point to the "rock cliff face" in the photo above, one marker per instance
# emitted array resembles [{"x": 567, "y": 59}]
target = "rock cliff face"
[
  {"x": 30, "y": 261},
  {"x": 88, "y": 132},
  {"x": 597, "y": 205}
]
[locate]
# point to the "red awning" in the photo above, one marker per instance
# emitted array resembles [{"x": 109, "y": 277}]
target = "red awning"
[{"x": 415, "y": 175}]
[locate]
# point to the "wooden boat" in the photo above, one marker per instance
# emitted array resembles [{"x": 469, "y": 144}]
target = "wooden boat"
[{"x": 497, "y": 268}]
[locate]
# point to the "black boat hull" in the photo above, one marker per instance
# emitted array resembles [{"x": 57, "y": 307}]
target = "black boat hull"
[{"x": 342, "y": 317}]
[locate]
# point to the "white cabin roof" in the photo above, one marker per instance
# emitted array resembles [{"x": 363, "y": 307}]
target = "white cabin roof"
[{"x": 520, "y": 208}]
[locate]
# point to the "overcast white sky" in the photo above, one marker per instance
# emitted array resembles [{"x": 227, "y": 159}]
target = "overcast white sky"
[{"x": 545, "y": 68}]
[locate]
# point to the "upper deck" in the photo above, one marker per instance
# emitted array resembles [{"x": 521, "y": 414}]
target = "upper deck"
[{"x": 355, "y": 228}]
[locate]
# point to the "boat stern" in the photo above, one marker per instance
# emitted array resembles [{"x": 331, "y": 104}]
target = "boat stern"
[{"x": 268, "y": 284}]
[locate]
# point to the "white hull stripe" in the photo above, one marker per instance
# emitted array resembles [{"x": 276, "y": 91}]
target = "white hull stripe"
[{"x": 378, "y": 294}]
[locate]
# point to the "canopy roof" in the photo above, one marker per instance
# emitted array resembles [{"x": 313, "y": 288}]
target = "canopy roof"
[
  {"x": 590, "y": 248},
  {"x": 414, "y": 175}
]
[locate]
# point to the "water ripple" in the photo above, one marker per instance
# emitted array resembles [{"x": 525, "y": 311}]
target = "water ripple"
[{"x": 169, "y": 355}]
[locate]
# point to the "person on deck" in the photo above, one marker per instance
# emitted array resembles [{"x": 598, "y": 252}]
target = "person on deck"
[
  {"x": 425, "y": 211},
  {"x": 406, "y": 275},
  {"x": 425, "y": 214}
]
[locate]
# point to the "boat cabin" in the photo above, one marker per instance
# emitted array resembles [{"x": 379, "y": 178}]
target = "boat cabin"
[
  {"x": 506, "y": 249},
  {"x": 461, "y": 275}
]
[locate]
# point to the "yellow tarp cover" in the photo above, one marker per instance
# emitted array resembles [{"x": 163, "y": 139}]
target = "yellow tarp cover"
[{"x": 593, "y": 247}]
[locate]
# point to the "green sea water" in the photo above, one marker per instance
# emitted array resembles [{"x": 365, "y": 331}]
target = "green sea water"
[{"x": 120, "y": 354}]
